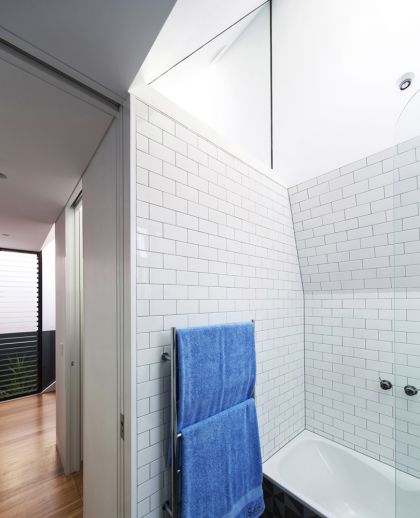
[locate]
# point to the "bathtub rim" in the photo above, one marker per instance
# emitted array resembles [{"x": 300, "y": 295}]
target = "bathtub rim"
[
  {"x": 306, "y": 435},
  {"x": 301, "y": 436}
]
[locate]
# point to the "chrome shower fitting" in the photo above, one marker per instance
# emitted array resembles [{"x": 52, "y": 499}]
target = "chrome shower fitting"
[
  {"x": 405, "y": 83},
  {"x": 410, "y": 390},
  {"x": 385, "y": 384}
]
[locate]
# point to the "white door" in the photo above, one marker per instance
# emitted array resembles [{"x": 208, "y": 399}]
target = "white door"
[
  {"x": 79, "y": 323},
  {"x": 101, "y": 365}
]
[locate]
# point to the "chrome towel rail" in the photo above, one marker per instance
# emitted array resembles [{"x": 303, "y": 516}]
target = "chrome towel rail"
[{"x": 172, "y": 507}]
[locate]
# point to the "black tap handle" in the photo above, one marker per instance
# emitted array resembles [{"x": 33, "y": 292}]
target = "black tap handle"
[
  {"x": 385, "y": 384},
  {"x": 410, "y": 390}
]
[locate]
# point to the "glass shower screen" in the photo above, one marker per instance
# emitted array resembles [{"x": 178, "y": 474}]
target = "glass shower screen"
[{"x": 405, "y": 238}]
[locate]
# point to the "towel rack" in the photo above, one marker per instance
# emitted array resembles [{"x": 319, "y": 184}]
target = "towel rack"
[{"x": 172, "y": 507}]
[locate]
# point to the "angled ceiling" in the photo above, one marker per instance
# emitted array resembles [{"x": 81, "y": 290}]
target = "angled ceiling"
[
  {"x": 215, "y": 84},
  {"x": 336, "y": 66},
  {"x": 100, "y": 42},
  {"x": 335, "y": 70},
  {"x": 190, "y": 25},
  {"x": 47, "y": 138}
]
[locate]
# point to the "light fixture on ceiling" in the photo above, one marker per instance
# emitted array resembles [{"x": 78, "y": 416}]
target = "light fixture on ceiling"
[
  {"x": 405, "y": 81},
  {"x": 405, "y": 84},
  {"x": 3, "y": 176}
]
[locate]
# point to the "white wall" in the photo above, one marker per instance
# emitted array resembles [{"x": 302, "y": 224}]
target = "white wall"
[
  {"x": 189, "y": 26},
  {"x": 357, "y": 234},
  {"x": 231, "y": 94},
  {"x": 215, "y": 243},
  {"x": 48, "y": 282}
]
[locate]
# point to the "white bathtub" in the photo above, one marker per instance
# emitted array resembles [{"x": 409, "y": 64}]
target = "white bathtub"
[{"x": 337, "y": 482}]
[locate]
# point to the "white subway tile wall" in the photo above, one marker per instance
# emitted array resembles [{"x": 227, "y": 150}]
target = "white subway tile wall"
[
  {"x": 215, "y": 244},
  {"x": 357, "y": 234}
]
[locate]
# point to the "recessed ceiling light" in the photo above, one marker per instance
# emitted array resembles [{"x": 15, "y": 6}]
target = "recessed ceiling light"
[
  {"x": 405, "y": 84},
  {"x": 3, "y": 176},
  {"x": 405, "y": 81}
]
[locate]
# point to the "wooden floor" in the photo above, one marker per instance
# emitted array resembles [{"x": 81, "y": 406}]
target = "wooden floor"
[{"x": 32, "y": 483}]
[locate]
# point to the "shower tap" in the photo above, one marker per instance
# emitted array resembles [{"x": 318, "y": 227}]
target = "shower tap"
[
  {"x": 410, "y": 390},
  {"x": 385, "y": 384}
]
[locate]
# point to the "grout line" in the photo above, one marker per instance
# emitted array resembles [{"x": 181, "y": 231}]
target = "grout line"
[{"x": 304, "y": 310}]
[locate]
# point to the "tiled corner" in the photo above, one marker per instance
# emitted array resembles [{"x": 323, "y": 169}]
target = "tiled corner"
[
  {"x": 215, "y": 244},
  {"x": 357, "y": 234}
]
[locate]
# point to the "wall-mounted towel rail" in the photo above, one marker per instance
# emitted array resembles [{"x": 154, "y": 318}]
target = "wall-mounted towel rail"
[{"x": 172, "y": 507}]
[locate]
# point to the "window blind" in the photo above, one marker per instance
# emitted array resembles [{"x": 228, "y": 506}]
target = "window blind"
[{"x": 19, "y": 323}]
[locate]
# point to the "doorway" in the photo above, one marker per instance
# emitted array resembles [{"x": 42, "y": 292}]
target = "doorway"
[
  {"x": 55, "y": 135},
  {"x": 30, "y": 467}
]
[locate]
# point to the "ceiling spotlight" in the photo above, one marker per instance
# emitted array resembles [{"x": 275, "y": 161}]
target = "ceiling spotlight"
[
  {"x": 405, "y": 83},
  {"x": 3, "y": 176}
]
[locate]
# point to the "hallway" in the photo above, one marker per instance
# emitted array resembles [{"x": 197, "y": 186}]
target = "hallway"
[{"x": 32, "y": 483}]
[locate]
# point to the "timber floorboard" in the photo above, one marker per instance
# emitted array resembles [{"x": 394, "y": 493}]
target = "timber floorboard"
[{"x": 32, "y": 481}]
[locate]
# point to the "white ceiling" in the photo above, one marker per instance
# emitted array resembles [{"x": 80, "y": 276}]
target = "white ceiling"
[
  {"x": 336, "y": 66},
  {"x": 335, "y": 69},
  {"x": 101, "y": 42},
  {"x": 215, "y": 85},
  {"x": 190, "y": 25},
  {"x": 47, "y": 138}
]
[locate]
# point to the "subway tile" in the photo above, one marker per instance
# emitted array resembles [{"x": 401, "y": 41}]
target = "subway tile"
[
  {"x": 185, "y": 134},
  {"x": 149, "y": 130},
  {"x": 222, "y": 248},
  {"x": 162, "y": 152},
  {"x": 161, "y": 120}
]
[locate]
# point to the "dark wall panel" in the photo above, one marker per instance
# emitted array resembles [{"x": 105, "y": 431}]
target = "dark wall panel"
[
  {"x": 279, "y": 504},
  {"x": 48, "y": 358}
]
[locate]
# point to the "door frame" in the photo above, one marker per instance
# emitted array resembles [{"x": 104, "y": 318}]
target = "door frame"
[
  {"x": 125, "y": 274},
  {"x": 74, "y": 336},
  {"x": 126, "y": 330},
  {"x": 126, "y": 318}
]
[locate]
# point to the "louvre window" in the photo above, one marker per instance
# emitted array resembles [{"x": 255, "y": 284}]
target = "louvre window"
[{"x": 19, "y": 323}]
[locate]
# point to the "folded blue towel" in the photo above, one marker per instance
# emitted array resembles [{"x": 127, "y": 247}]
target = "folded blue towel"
[
  {"x": 216, "y": 369},
  {"x": 221, "y": 466}
]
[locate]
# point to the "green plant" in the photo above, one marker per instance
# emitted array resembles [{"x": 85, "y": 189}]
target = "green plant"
[{"x": 16, "y": 383}]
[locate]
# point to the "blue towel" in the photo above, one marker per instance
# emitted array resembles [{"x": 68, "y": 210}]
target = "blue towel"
[
  {"x": 221, "y": 466},
  {"x": 216, "y": 370}
]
